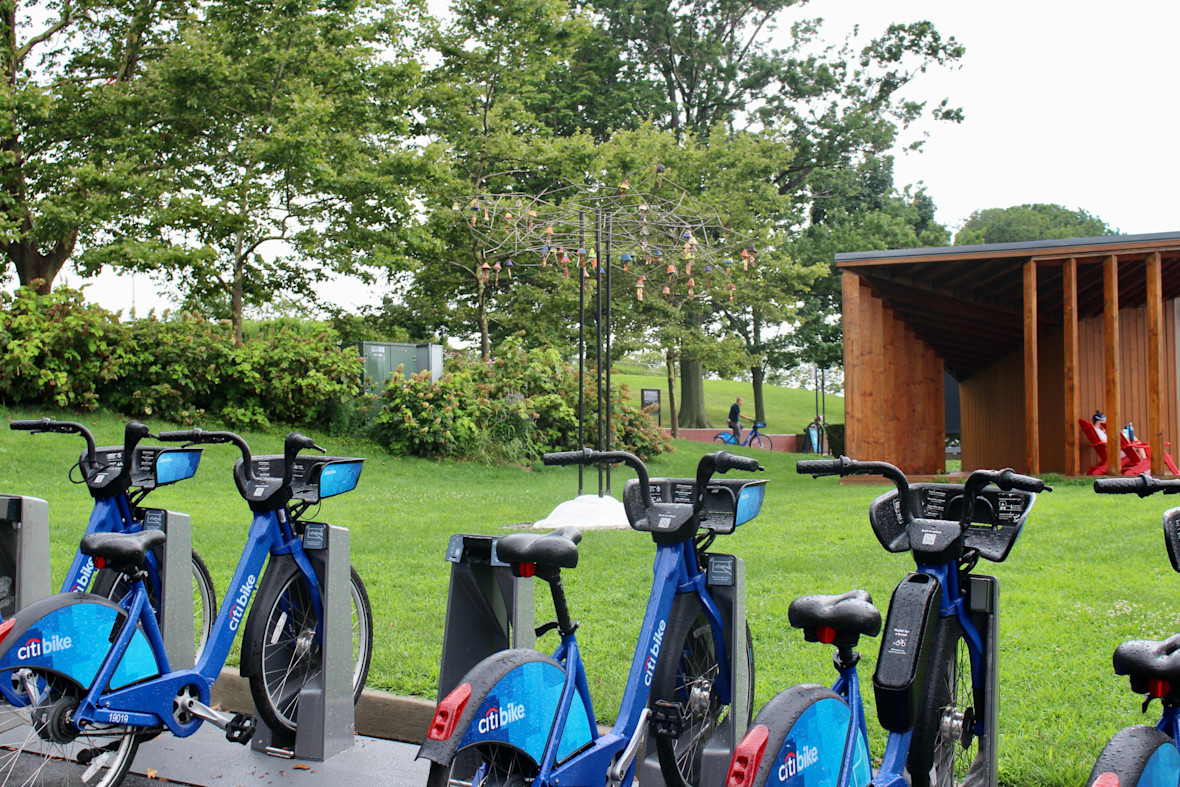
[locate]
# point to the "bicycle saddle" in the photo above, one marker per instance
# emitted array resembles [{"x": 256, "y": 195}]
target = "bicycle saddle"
[
  {"x": 1143, "y": 660},
  {"x": 124, "y": 552},
  {"x": 556, "y": 549},
  {"x": 849, "y": 614}
]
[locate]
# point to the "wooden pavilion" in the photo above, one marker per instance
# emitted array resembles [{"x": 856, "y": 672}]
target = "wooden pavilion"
[{"x": 1037, "y": 335}]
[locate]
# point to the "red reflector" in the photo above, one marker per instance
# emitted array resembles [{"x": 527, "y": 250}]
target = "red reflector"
[
  {"x": 826, "y": 634},
  {"x": 448, "y": 713},
  {"x": 1158, "y": 688},
  {"x": 1107, "y": 780},
  {"x": 527, "y": 569},
  {"x": 747, "y": 757},
  {"x": 6, "y": 627},
  {"x": 99, "y": 562}
]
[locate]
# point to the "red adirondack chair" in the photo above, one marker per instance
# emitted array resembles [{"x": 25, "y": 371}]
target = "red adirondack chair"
[
  {"x": 1132, "y": 461},
  {"x": 1098, "y": 444}
]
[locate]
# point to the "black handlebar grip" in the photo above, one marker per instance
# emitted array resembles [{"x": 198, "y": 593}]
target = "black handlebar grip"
[
  {"x": 818, "y": 467},
  {"x": 562, "y": 458},
  {"x": 300, "y": 441},
  {"x": 181, "y": 436},
  {"x": 30, "y": 425},
  {"x": 726, "y": 461},
  {"x": 1139, "y": 485},
  {"x": 1023, "y": 483}
]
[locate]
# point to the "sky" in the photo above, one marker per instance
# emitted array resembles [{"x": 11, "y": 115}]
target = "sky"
[{"x": 1066, "y": 103}]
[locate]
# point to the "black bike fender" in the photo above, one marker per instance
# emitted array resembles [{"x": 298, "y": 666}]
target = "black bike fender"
[
  {"x": 484, "y": 682},
  {"x": 250, "y": 662}
]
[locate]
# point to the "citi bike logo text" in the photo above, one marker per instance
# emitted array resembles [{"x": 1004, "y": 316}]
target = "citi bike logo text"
[
  {"x": 653, "y": 655},
  {"x": 496, "y": 718},
  {"x": 797, "y": 761},
  {"x": 43, "y": 647},
  {"x": 83, "y": 581},
  {"x": 239, "y": 608}
]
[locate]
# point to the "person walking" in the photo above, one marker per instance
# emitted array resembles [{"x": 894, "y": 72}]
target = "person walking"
[{"x": 735, "y": 412}]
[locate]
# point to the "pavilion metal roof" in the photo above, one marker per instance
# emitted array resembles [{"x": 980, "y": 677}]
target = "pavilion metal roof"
[{"x": 968, "y": 301}]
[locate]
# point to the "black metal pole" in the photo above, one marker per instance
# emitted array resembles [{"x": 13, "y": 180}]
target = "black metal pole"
[
  {"x": 610, "y": 229},
  {"x": 598, "y": 351},
  {"x": 581, "y": 353}
]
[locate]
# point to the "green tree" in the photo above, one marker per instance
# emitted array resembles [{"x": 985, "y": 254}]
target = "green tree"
[
  {"x": 74, "y": 142},
  {"x": 1038, "y": 221},
  {"x": 285, "y": 121}
]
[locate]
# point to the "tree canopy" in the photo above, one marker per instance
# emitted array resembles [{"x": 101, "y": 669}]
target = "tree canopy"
[{"x": 1038, "y": 221}]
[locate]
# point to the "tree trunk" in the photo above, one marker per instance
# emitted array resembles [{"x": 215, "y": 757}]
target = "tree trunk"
[
  {"x": 756, "y": 374},
  {"x": 235, "y": 293},
  {"x": 670, "y": 361},
  {"x": 692, "y": 395},
  {"x": 485, "y": 341}
]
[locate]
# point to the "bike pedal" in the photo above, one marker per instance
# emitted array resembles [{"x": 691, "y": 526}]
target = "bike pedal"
[
  {"x": 240, "y": 729},
  {"x": 667, "y": 719}
]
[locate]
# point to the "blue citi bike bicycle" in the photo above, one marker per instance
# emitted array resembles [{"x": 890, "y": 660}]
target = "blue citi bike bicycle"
[
  {"x": 119, "y": 478},
  {"x": 521, "y": 717},
  {"x": 754, "y": 438},
  {"x": 935, "y": 680},
  {"x": 94, "y": 676},
  {"x": 1142, "y": 755}
]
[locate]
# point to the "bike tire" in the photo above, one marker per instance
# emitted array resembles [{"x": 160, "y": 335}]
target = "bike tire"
[
  {"x": 806, "y": 731},
  {"x": 85, "y": 761},
  {"x": 943, "y": 750},
  {"x": 687, "y": 664},
  {"x": 485, "y": 765},
  {"x": 114, "y": 586},
  {"x": 1135, "y": 756},
  {"x": 281, "y": 628},
  {"x": 763, "y": 442}
]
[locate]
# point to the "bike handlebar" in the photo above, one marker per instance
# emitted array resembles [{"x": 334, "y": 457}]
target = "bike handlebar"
[
  {"x": 292, "y": 445},
  {"x": 58, "y": 427},
  {"x": 588, "y": 456},
  {"x": 1142, "y": 485}
]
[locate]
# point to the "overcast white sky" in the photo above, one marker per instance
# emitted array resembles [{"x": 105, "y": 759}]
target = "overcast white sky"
[{"x": 1068, "y": 103}]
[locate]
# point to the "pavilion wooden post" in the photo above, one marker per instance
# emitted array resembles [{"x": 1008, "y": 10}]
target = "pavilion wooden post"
[
  {"x": 1032, "y": 421},
  {"x": 1069, "y": 275},
  {"x": 1110, "y": 309},
  {"x": 1155, "y": 361}
]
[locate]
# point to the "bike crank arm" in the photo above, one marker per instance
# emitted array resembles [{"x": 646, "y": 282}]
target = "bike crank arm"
[
  {"x": 619, "y": 768},
  {"x": 239, "y": 727}
]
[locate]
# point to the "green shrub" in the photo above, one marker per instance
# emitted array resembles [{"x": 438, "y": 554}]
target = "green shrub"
[
  {"x": 58, "y": 350},
  {"x": 515, "y": 408}
]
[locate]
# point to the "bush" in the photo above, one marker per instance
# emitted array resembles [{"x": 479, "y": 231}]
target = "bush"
[
  {"x": 515, "y": 408},
  {"x": 58, "y": 350},
  {"x": 835, "y": 434}
]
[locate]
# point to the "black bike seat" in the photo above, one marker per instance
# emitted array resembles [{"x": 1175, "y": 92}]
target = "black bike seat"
[
  {"x": 850, "y": 614},
  {"x": 126, "y": 552},
  {"x": 555, "y": 549},
  {"x": 1143, "y": 660}
]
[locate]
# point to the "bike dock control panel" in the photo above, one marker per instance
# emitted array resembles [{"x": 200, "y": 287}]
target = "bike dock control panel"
[
  {"x": 327, "y": 721},
  {"x": 24, "y": 552},
  {"x": 488, "y": 609}
]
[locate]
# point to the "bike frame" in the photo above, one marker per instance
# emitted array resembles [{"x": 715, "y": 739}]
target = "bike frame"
[
  {"x": 676, "y": 571},
  {"x": 110, "y": 515},
  {"x": 897, "y": 746},
  {"x": 270, "y": 534}
]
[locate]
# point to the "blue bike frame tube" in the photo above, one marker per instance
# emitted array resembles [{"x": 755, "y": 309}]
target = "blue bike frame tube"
[
  {"x": 897, "y": 749},
  {"x": 954, "y": 604},
  {"x": 848, "y": 687},
  {"x": 1170, "y": 724},
  {"x": 107, "y": 516},
  {"x": 575, "y": 675}
]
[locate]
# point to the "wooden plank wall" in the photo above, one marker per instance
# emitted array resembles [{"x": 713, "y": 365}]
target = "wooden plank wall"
[
  {"x": 1133, "y": 389},
  {"x": 893, "y": 386},
  {"x": 991, "y": 412}
]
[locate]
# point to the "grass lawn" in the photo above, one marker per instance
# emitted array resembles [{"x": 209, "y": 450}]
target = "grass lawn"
[
  {"x": 788, "y": 410},
  {"x": 1088, "y": 572}
]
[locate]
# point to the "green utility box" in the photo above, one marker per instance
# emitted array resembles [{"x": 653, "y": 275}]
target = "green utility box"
[{"x": 383, "y": 358}]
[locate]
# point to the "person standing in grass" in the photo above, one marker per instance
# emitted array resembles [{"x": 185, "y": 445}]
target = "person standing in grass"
[{"x": 735, "y": 412}]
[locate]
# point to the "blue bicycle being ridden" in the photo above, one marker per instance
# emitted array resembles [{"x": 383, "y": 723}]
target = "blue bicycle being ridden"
[
  {"x": 94, "y": 676},
  {"x": 935, "y": 681},
  {"x": 520, "y": 717},
  {"x": 119, "y": 478},
  {"x": 753, "y": 438},
  {"x": 1144, "y": 756}
]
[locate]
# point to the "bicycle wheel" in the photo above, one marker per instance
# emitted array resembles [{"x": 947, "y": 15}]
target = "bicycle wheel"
[
  {"x": 944, "y": 750},
  {"x": 763, "y": 442},
  {"x": 484, "y": 765},
  {"x": 114, "y": 586},
  {"x": 1137, "y": 756},
  {"x": 686, "y": 673},
  {"x": 39, "y": 746},
  {"x": 281, "y": 627}
]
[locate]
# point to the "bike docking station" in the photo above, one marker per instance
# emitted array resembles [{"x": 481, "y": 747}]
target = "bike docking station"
[
  {"x": 326, "y": 723},
  {"x": 176, "y": 604},
  {"x": 24, "y": 552},
  {"x": 488, "y": 609},
  {"x": 726, "y": 577}
]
